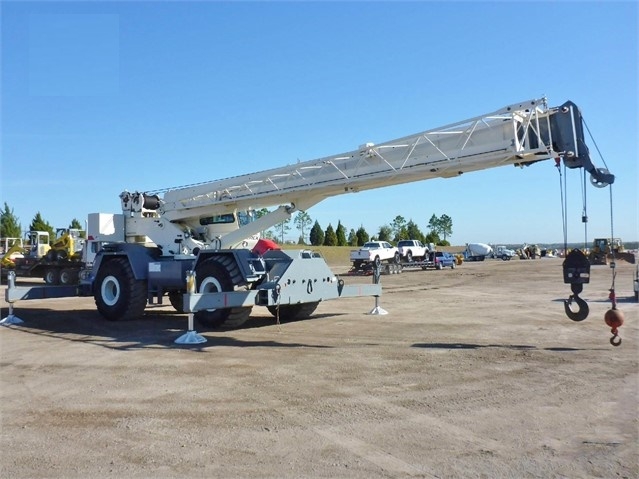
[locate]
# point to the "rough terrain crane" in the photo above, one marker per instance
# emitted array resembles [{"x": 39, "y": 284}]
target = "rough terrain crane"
[{"x": 200, "y": 227}]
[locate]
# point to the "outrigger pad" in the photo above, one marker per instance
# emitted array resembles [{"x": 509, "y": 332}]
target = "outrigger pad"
[{"x": 576, "y": 268}]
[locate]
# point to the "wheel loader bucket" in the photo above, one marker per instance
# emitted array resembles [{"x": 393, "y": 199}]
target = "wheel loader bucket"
[{"x": 627, "y": 257}]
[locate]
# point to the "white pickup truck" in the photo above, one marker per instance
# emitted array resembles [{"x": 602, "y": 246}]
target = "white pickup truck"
[
  {"x": 375, "y": 252},
  {"x": 412, "y": 250}
]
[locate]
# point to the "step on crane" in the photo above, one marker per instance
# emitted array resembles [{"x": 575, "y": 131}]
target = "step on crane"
[{"x": 206, "y": 227}]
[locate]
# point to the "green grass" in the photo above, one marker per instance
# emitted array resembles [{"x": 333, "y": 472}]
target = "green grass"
[{"x": 334, "y": 255}]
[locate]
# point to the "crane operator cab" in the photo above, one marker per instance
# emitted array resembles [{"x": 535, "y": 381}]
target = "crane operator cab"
[{"x": 212, "y": 227}]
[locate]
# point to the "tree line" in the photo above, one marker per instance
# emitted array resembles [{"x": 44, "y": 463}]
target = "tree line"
[
  {"x": 439, "y": 229},
  {"x": 10, "y": 226},
  {"x": 310, "y": 232}
]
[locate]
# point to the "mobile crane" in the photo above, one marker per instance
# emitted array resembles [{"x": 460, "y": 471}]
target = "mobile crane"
[{"x": 203, "y": 227}]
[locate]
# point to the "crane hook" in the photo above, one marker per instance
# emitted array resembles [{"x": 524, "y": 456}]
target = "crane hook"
[
  {"x": 581, "y": 313},
  {"x": 615, "y": 340},
  {"x": 577, "y": 273},
  {"x": 614, "y": 318}
]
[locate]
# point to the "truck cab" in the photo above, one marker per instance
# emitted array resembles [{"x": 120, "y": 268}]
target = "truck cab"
[
  {"x": 39, "y": 244},
  {"x": 504, "y": 253}
]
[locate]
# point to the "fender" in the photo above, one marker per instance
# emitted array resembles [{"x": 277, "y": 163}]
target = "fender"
[
  {"x": 139, "y": 257},
  {"x": 250, "y": 264}
]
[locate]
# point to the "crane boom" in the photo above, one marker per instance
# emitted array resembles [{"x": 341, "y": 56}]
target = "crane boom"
[
  {"x": 519, "y": 134},
  {"x": 189, "y": 245}
]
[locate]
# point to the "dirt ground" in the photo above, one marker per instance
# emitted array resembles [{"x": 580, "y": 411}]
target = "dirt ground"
[{"x": 475, "y": 372}]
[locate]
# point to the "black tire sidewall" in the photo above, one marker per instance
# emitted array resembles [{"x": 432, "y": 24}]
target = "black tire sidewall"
[
  {"x": 52, "y": 276},
  {"x": 130, "y": 302}
]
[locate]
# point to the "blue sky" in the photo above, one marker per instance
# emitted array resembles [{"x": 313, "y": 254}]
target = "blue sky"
[{"x": 102, "y": 97}]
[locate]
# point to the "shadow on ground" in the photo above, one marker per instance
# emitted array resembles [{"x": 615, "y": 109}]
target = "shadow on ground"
[
  {"x": 157, "y": 329},
  {"x": 523, "y": 347}
]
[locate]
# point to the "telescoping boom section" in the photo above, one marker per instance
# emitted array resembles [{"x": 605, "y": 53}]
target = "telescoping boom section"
[{"x": 519, "y": 134}]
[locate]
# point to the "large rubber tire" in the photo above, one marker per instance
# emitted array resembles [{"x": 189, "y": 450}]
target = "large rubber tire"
[
  {"x": 409, "y": 257},
  {"x": 397, "y": 258},
  {"x": 217, "y": 275},
  {"x": 118, "y": 295},
  {"x": 293, "y": 312},
  {"x": 51, "y": 276},
  {"x": 69, "y": 276},
  {"x": 237, "y": 317},
  {"x": 175, "y": 298}
]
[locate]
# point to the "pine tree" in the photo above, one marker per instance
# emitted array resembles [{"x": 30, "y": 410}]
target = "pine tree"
[
  {"x": 39, "y": 224},
  {"x": 398, "y": 227},
  {"x": 413, "y": 231},
  {"x": 282, "y": 228},
  {"x": 75, "y": 224},
  {"x": 330, "y": 238},
  {"x": 385, "y": 233},
  {"x": 316, "y": 237},
  {"x": 341, "y": 234},
  {"x": 302, "y": 222},
  {"x": 352, "y": 238},
  {"x": 9, "y": 225},
  {"x": 446, "y": 226},
  {"x": 362, "y": 236}
]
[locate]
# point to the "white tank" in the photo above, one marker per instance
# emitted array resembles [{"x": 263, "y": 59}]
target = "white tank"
[{"x": 479, "y": 249}]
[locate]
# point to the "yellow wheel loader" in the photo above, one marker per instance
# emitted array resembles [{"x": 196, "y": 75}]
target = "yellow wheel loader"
[{"x": 606, "y": 249}]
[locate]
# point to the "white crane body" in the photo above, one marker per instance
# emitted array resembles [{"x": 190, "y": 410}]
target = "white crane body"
[{"x": 169, "y": 233}]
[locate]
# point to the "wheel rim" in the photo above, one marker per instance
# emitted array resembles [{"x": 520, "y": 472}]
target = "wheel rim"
[
  {"x": 210, "y": 285},
  {"x": 110, "y": 290}
]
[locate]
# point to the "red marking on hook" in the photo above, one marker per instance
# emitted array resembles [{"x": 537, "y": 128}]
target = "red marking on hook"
[{"x": 614, "y": 318}]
